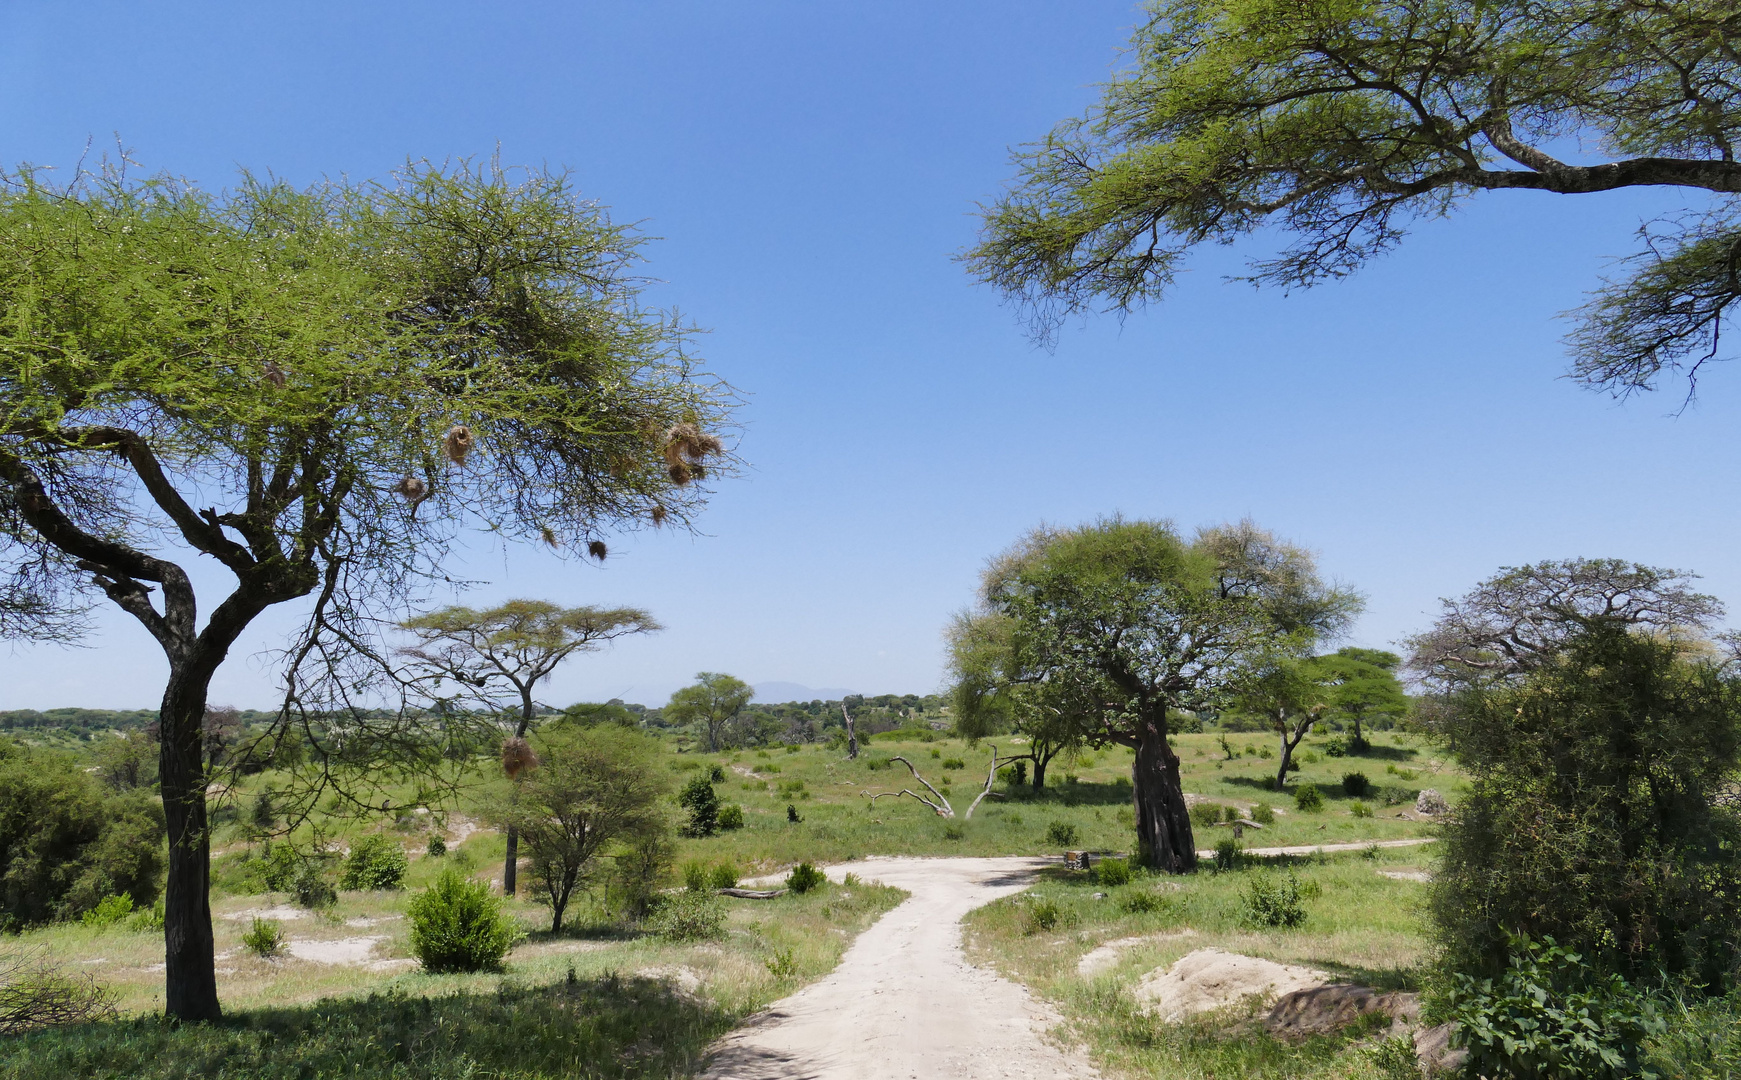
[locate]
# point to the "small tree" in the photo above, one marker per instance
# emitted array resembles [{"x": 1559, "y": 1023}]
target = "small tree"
[
  {"x": 714, "y": 701},
  {"x": 1291, "y": 694},
  {"x": 701, "y": 803},
  {"x": 987, "y": 696},
  {"x": 512, "y": 647},
  {"x": 595, "y": 790},
  {"x": 1364, "y": 688}
]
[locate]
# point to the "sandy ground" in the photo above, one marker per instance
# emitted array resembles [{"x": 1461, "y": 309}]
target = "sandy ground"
[
  {"x": 1313, "y": 849},
  {"x": 904, "y": 1003}
]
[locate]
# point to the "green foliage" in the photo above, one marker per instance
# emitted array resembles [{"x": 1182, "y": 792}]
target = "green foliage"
[
  {"x": 1046, "y": 915},
  {"x": 805, "y": 878},
  {"x": 1144, "y": 902},
  {"x": 1229, "y": 854},
  {"x": 731, "y": 816},
  {"x": 66, "y": 843},
  {"x": 264, "y": 938},
  {"x": 716, "y": 773},
  {"x": 1274, "y": 900},
  {"x": 1263, "y": 814},
  {"x": 456, "y": 925},
  {"x": 375, "y": 862},
  {"x": 1308, "y": 799},
  {"x": 311, "y": 887},
  {"x": 723, "y": 876},
  {"x": 792, "y": 815},
  {"x": 436, "y": 848},
  {"x": 1551, "y": 1016},
  {"x": 1355, "y": 785},
  {"x": 636, "y": 873},
  {"x": 1062, "y": 833},
  {"x": 1395, "y": 1058},
  {"x": 689, "y": 916},
  {"x": 110, "y": 910},
  {"x": 954, "y": 830},
  {"x": 1702, "y": 1039},
  {"x": 695, "y": 875},
  {"x": 1205, "y": 814},
  {"x": 714, "y": 702},
  {"x": 954, "y": 763},
  {"x": 701, "y": 802},
  {"x": 1360, "y": 810},
  {"x": 147, "y": 920},
  {"x": 1112, "y": 872},
  {"x": 1599, "y": 780}
]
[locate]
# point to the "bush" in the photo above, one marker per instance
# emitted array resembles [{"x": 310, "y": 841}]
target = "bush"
[
  {"x": 265, "y": 938},
  {"x": 954, "y": 831},
  {"x": 1229, "y": 853},
  {"x": 109, "y": 911},
  {"x": 147, "y": 920},
  {"x": 1144, "y": 902},
  {"x": 376, "y": 862},
  {"x": 702, "y": 803},
  {"x": 723, "y": 876},
  {"x": 633, "y": 880},
  {"x": 1062, "y": 833},
  {"x": 954, "y": 763},
  {"x": 311, "y": 889},
  {"x": 1336, "y": 747},
  {"x": 1360, "y": 810},
  {"x": 1263, "y": 814},
  {"x": 1047, "y": 915},
  {"x": 436, "y": 848},
  {"x": 695, "y": 876},
  {"x": 689, "y": 917},
  {"x": 1273, "y": 900},
  {"x": 731, "y": 816},
  {"x": 1355, "y": 785},
  {"x": 456, "y": 925},
  {"x": 792, "y": 815},
  {"x": 1112, "y": 873},
  {"x": 1551, "y": 1015},
  {"x": 1308, "y": 799},
  {"x": 34, "y": 994},
  {"x": 716, "y": 774},
  {"x": 1205, "y": 814},
  {"x": 805, "y": 878}
]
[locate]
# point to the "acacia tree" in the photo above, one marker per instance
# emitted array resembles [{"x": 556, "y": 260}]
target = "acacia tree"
[
  {"x": 1291, "y": 694},
  {"x": 1336, "y": 124},
  {"x": 1135, "y": 622},
  {"x": 1365, "y": 686},
  {"x": 989, "y": 694},
  {"x": 513, "y": 646},
  {"x": 315, "y": 389},
  {"x": 595, "y": 789},
  {"x": 714, "y": 701}
]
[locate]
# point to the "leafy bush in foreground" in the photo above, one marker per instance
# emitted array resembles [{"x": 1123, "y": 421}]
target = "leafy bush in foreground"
[
  {"x": 805, "y": 878},
  {"x": 456, "y": 925},
  {"x": 689, "y": 916},
  {"x": 1272, "y": 900}
]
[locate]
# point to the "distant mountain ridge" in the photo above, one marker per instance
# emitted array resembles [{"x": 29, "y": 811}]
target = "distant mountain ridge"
[{"x": 780, "y": 693}]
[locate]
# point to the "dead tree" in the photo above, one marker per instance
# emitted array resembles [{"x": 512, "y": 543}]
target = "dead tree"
[
  {"x": 938, "y": 803},
  {"x": 851, "y": 734}
]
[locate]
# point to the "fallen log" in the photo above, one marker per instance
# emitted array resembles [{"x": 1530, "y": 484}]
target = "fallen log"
[{"x": 751, "y": 894}]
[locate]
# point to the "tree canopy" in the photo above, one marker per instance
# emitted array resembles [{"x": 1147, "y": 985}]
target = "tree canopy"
[
  {"x": 714, "y": 700},
  {"x": 316, "y": 389},
  {"x": 1336, "y": 124}
]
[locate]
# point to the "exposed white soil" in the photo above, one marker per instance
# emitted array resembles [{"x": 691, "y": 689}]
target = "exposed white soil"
[
  {"x": 1106, "y": 956},
  {"x": 364, "y": 922},
  {"x": 1214, "y": 979},
  {"x": 1313, "y": 849},
  {"x": 1406, "y": 875},
  {"x": 905, "y": 1003},
  {"x": 352, "y": 950},
  {"x": 281, "y": 913}
]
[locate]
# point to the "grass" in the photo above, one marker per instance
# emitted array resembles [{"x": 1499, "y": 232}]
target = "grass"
[
  {"x": 1359, "y": 926},
  {"x": 602, "y": 1003}
]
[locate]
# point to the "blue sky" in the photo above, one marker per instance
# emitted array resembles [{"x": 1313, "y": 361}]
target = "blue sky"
[{"x": 812, "y": 169}]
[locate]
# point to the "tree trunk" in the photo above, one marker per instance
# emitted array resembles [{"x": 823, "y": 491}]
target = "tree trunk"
[
  {"x": 1040, "y": 771},
  {"x": 190, "y": 978},
  {"x": 851, "y": 735},
  {"x": 1163, "y": 821},
  {"x": 511, "y": 866}
]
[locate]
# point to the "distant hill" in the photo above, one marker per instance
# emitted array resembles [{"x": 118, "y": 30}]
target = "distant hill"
[{"x": 776, "y": 693}]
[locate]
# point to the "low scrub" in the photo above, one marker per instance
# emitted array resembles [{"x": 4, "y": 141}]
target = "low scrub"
[
  {"x": 375, "y": 862},
  {"x": 1275, "y": 900},
  {"x": 805, "y": 878},
  {"x": 35, "y": 994},
  {"x": 456, "y": 925},
  {"x": 264, "y": 938},
  {"x": 689, "y": 916}
]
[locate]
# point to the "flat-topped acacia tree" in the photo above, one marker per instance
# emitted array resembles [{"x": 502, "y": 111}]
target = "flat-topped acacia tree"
[{"x": 316, "y": 389}]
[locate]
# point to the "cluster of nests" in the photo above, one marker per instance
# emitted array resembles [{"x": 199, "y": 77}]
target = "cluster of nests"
[{"x": 685, "y": 449}]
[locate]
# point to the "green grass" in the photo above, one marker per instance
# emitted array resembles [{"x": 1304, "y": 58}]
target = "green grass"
[
  {"x": 634, "y": 1005},
  {"x": 1359, "y": 926}
]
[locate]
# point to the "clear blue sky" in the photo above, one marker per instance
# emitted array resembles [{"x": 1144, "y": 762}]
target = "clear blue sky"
[{"x": 812, "y": 169}]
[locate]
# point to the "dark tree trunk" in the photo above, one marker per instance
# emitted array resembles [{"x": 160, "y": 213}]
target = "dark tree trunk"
[
  {"x": 511, "y": 866},
  {"x": 1040, "y": 771},
  {"x": 190, "y": 981},
  {"x": 1163, "y": 821},
  {"x": 851, "y": 734}
]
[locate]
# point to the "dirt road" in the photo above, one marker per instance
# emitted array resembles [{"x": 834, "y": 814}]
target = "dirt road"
[{"x": 904, "y": 1003}]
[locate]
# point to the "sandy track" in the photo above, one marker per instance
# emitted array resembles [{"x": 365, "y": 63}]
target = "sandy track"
[
  {"x": 904, "y": 1002},
  {"x": 1314, "y": 849}
]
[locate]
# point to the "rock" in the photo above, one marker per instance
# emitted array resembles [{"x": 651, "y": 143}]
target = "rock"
[
  {"x": 1324, "y": 1010},
  {"x": 1213, "y": 979},
  {"x": 1430, "y": 803},
  {"x": 1433, "y": 1050}
]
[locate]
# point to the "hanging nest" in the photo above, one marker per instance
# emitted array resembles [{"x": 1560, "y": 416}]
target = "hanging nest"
[
  {"x": 458, "y": 443},
  {"x": 517, "y": 757},
  {"x": 659, "y": 514},
  {"x": 413, "y": 489},
  {"x": 275, "y": 374},
  {"x": 549, "y": 536},
  {"x": 680, "y": 473},
  {"x": 689, "y": 442}
]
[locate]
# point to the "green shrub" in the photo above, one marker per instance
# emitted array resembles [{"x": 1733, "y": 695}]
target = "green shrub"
[
  {"x": 1062, "y": 833},
  {"x": 1360, "y": 810},
  {"x": 1112, "y": 873},
  {"x": 1308, "y": 799},
  {"x": 1144, "y": 902},
  {"x": 1205, "y": 814},
  {"x": 723, "y": 876},
  {"x": 1395, "y": 1058},
  {"x": 702, "y": 804},
  {"x": 275, "y": 869},
  {"x": 1336, "y": 746},
  {"x": 265, "y": 938},
  {"x": 1047, "y": 915},
  {"x": 805, "y": 878},
  {"x": 731, "y": 816},
  {"x": 375, "y": 862},
  {"x": 147, "y": 920},
  {"x": 436, "y": 848},
  {"x": 954, "y": 763},
  {"x": 1551, "y": 1015},
  {"x": 1263, "y": 814},
  {"x": 954, "y": 831},
  {"x": 689, "y": 917},
  {"x": 311, "y": 888},
  {"x": 792, "y": 815},
  {"x": 1274, "y": 900},
  {"x": 936, "y": 753},
  {"x": 1355, "y": 785},
  {"x": 456, "y": 925},
  {"x": 716, "y": 774},
  {"x": 1229, "y": 854},
  {"x": 110, "y": 910},
  {"x": 695, "y": 875}
]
